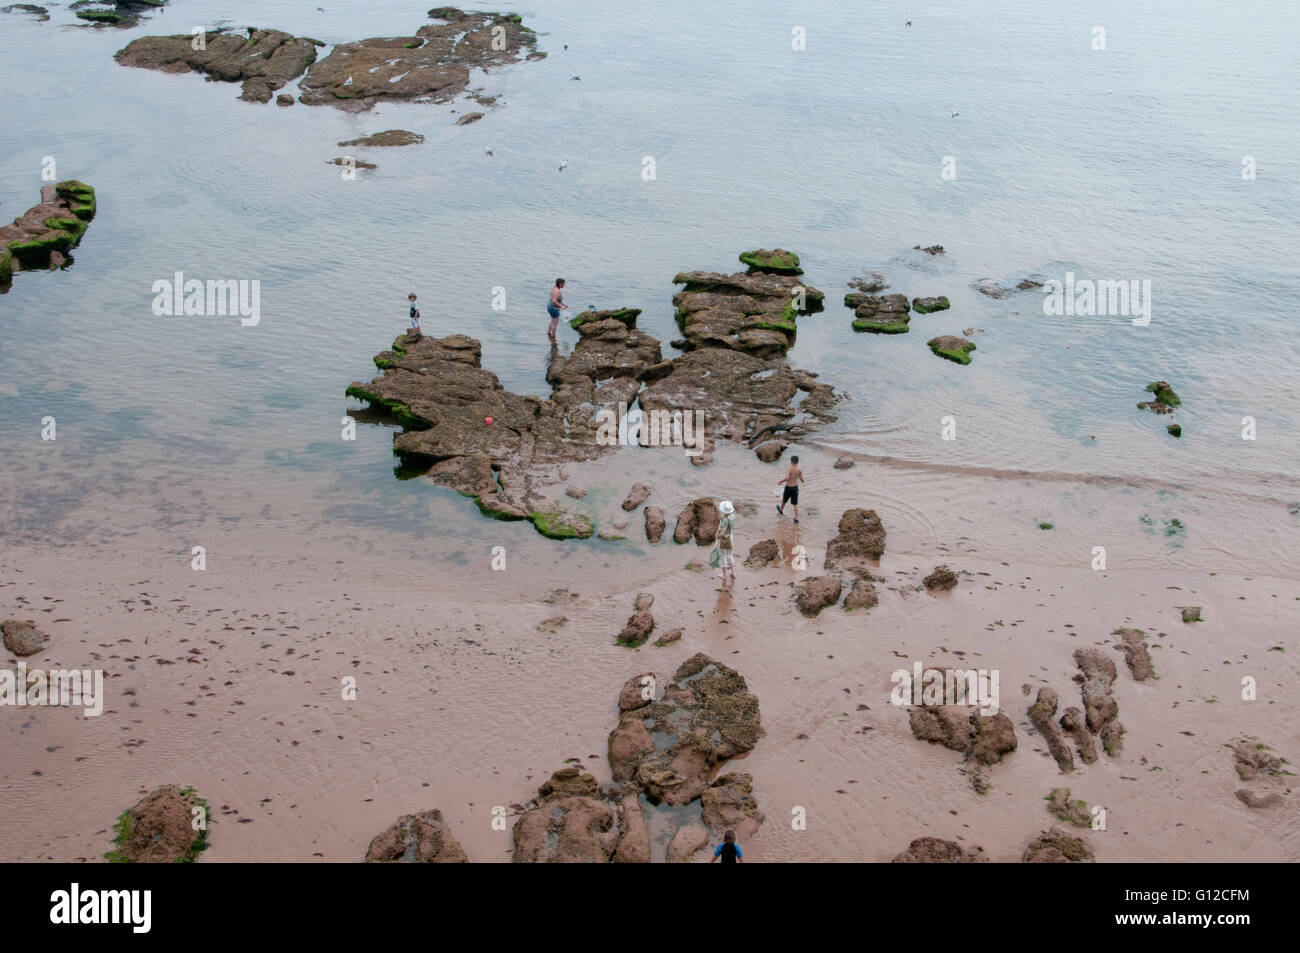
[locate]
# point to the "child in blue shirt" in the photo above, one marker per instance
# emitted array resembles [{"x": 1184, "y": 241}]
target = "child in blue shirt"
[{"x": 727, "y": 851}]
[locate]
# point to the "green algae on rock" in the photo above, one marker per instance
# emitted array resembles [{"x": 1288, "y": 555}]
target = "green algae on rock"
[
  {"x": 160, "y": 829},
  {"x": 45, "y": 234},
  {"x": 389, "y": 137},
  {"x": 879, "y": 314},
  {"x": 752, "y": 312},
  {"x": 625, "y": 316},
  {"x": 952, "y": 348},
  {"x": 930, "y": 305},
  {"x": 556, "y": 524},
  {"x": 40, "y": 13},
  {"x": 778, "y": 261},
  {"x": 263, "y": 60},
  {"x": 122, "y": 13}
]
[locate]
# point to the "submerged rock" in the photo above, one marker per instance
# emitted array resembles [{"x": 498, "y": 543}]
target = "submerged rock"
[
  {"x": 45, "y": 234},
  {"x": 262, "y": 60},
  {"x": 434, "y": 65},
  {"x": 879, "y": 314},
  {"x": 416, "y": 838},
  {"x": 29, "y": 8},
  {"x": 387, "y": 138},
  {"x": 158, "y": 830},
  {"x": 952, "y": 348},
  {"x": 862, "y": 595},
  {"x": 122, "y": 13},
  {"x": 700, "y": 519},
  {"x": 930, "y": 249}
]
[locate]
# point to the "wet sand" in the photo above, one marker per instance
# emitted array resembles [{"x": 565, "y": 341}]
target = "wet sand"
[{"x": 230, "y": 679}]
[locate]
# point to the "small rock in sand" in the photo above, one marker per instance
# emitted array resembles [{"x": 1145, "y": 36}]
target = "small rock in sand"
[
  {"x": 22, "y": 638},
  {"x": 941, "y": 580}
]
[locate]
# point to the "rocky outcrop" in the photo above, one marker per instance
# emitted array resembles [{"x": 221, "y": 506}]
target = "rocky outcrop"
[
  {"x": 952, "y": 348},
  {"x": 416, "y": 838},
  {"x": 654, "y": 523},
  {"x": 816, "y": 593},
  {"x": 432, "y": 66},
  {"x": 571, "y": 821},
  {"x": 754, "y": 313},
  {"x": 941, "y": 580},
  {"x": 638, "y": 495},
  {"x": 262, "y": 60},
  {"x": 930, "y": 305},
  {"x": 877, "y": 314},
  {"x": 863, "y": 594},
  {"x": 1076, "y": 728},
  {"x": 669, "y": 637},
  {"x": 984, "y": 739},
  {"x": 995, "y": 289},
  {"x": 932, "y": 850},
  {"x": 159, "y": 829},
  {"x": 668, "y": 748},
  {"x": 1057, "y": 847},
  {"x": 763, "y": 554},
  {"x": 1068, "y": 808},
  {"x": 729, "y": 804},
  {"x": 640, "y": 624},
  {"x": 1041, "y": 715},
  {"x": 1264, "y": 771},
  {"x": 663, "y": 752},
  {"x": 747, "y": 398},
  {"x": 119, "y": 13},
  {"x": 860, "y": 543},
  {"x": 437, "y": 389},
  {"x": 1101, "y": 710},
  {"x": 22, "y": 638},
  {"x": 44, "y": 236},
  {"x": 1133, "y": 644},
  {"x": 776, "y": 262},
  {"x": 699, "y": 519}
]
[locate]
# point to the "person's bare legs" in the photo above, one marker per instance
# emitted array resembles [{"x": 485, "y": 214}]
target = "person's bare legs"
[{"x": 550, "y": 332}]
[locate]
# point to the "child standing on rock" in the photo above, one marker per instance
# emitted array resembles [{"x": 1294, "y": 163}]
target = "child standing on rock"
[{"x": 415, "y": 316}]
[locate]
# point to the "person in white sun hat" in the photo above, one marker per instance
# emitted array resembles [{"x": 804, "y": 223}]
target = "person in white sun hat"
[{"x": 726, "y": 556}]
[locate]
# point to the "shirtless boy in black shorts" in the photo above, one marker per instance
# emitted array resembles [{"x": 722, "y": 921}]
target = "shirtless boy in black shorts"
[{"x": 793, "y": 477}]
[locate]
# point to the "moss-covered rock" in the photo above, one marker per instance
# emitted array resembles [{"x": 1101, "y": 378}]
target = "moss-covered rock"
[
  {"x": 952, "y": 348},
  {"x": 557, "y": 524},
  {"x": 879, "y": 314},
  {"x": 168, "y": 826},
  {"x": 121, "y": 13},
  {"x": 29, "y": 8},
  {"x": 929, "y": 305},
  {"x": 6, "y": 266},
  {"x": 46, "y": 233},
  {"x": 626, "y": 316},
  {"x": 778, "y": 261}
]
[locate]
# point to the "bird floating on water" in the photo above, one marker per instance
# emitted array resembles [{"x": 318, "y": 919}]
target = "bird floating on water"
[
  {"x": 954, "y": 114},
  {"x": 564, "y": 164},
  {"x": 575, "y": 77},
  {"x": 909, "y": 22},
  {"x": 489, "y": 151}
]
